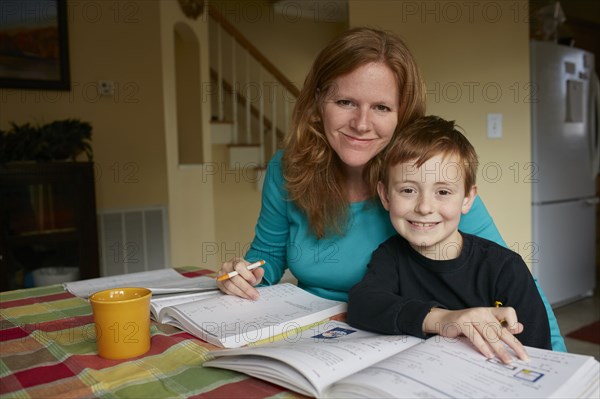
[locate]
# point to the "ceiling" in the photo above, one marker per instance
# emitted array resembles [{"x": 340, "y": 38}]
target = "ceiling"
[
  {"x": 581, "y": 26},
  {"x": 316, "y": 10},
  {"x": 584, "y": 10},
  {"x": 337, "y": 10}
]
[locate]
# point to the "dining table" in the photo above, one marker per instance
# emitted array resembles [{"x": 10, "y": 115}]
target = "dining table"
[{"x": 48, "y": 350}]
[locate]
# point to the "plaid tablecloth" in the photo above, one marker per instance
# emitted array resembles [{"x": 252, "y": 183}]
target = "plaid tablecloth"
[{"x": 48, "y": 350}]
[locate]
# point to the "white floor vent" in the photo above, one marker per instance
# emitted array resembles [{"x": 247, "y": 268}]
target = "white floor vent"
[{"x": 133, "y": 240}]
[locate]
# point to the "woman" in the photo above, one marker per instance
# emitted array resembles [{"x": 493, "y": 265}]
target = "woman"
[{"x": 320, "y": 216}]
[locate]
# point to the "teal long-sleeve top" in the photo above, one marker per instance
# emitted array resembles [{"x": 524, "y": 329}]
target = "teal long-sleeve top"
[{"x": 329, "y": 267}]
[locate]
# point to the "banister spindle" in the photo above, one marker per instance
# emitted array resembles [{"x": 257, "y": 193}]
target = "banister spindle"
[
  {"x": 220, "y": 73},
  {"x": 273, "y": 122},
  {"x": 286, "y": 111},
  {"x": 247, "y": 93},
  {"x": 261, "y": 116},
  {"x": 234, "y": 92}
]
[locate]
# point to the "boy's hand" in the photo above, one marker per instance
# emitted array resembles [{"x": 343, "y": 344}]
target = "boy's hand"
[
  {"x": 487, "y": 328},
  {"x": 243, "y": 284}
]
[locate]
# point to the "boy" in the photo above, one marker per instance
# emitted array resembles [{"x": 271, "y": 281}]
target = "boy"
[{"x": 431, "y": 278}]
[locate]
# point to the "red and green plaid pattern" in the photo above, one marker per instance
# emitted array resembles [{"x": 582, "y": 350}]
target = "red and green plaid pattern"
[{"x": 48, "y": 350}]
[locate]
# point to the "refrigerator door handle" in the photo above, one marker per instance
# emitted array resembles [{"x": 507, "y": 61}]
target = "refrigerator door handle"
[{"x": 594, "y": 123}]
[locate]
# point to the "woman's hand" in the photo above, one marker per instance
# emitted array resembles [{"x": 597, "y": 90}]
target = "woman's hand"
[
  {"x": 487, "y": 328},
  {"x": 243, "y": 284}
]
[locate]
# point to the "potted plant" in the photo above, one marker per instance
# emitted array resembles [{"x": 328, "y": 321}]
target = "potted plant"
[{"x": 55, "y": 141}]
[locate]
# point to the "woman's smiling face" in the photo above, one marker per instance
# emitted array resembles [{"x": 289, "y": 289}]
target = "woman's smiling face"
[{"x": 360, "y": 113}]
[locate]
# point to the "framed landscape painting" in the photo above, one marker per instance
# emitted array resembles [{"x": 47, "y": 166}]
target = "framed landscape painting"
[{"x": 34, "y": 51}]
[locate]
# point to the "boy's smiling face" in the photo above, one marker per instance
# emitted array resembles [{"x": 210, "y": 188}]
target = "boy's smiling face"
[{"x": 426, "y": 202}]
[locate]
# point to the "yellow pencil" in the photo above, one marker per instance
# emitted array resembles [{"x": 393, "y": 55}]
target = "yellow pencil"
[
  {"x": 502, "y": 322},
  {"x": 234, "y": 273}
]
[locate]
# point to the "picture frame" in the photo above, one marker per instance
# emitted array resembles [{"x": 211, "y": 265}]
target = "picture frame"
[{"x": 34, "y": 45}]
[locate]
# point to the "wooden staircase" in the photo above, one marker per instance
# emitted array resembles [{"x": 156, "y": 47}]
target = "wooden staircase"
[{"x": 251, "y": 99}]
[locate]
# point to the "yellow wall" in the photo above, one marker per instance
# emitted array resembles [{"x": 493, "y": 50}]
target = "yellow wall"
[
  {"x": 118, "y": 42},
  {"x": 475, "y": 60}
]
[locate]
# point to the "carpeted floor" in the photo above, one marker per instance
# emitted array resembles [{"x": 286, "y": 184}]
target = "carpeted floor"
[{"x": 589, "y": 333}]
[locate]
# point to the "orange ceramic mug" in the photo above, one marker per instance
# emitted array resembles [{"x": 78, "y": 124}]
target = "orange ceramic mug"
[{"x": 122, "y": 318}]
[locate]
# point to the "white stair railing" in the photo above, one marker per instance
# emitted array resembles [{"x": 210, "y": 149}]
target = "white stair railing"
[
  {"x": 246, "y": 78},
  {"x": 234, "y": 94},
  {"x": 247, "y": 94},
  {"x": 220, "y": 99}
]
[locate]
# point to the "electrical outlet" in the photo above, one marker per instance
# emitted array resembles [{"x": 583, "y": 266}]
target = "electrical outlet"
[
  {"x": 106, "y": 88},
  {"x": 494, "y": 126}
]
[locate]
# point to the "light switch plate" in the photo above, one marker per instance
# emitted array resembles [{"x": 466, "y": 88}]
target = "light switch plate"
[
  {"x": 106, "y": 88},
  {"x": 494, "y": 126}
]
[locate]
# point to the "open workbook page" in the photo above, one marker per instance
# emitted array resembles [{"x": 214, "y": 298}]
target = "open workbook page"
[
  {"x": 451, "y": 368},
  {"x": 160, "y": 302},
  {"x": 311, "y": 362},
  {"x": 158, "y": 281},
  {"x": 230, "y": 321},
  {"x": 336, "y": 360}
]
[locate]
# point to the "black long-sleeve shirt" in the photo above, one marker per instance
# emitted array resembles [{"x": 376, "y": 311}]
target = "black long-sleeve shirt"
[{"x": 401, "y": 286}]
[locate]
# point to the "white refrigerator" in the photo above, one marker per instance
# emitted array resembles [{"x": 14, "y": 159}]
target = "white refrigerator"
[{"x": 565, "y": 164}]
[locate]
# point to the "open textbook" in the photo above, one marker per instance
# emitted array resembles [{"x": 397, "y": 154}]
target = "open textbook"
[
  {"x": 230, "y": 321},
  {"x": 223, "y": 320},
  {"x": 336, "y": 360},
  {"x": 162, "y": 281}
]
